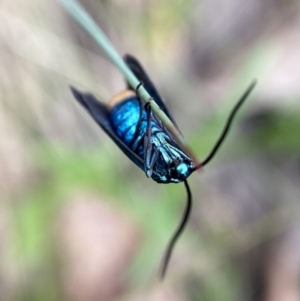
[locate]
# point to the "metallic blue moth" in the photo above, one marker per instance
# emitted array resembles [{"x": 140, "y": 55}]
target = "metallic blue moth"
[{"x": 143, "y": 138}]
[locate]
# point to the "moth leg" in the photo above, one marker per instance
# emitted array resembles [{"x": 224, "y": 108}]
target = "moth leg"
[
  {"x": 138, "y": 86},
  {"x": 141, "y": 114},
  {"x": 149, "y": 157},
  {"x": 153, "y": 159},
  {"x": 148, "y": 146}
]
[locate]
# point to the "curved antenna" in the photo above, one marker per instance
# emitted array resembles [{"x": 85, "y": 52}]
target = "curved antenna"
[
  {"x": 227, "y": 126},
  {"x": 179, "y": 230}
]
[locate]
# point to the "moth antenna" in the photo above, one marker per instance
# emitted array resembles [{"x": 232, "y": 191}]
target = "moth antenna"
[
  {"x": 227, "y": 126},
  {"x": 179, "y": 230}
]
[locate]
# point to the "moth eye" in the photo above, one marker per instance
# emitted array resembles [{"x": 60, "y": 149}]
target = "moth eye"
[
  {"x": 173, "y": 173},
  {"x": 182, "y": 169},
  {"x": 187, "y": 162},
  {"x": 181, "y": 177}
]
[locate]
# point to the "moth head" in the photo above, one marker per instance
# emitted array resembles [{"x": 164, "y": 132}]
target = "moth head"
[{"x": 181, "y": 169}]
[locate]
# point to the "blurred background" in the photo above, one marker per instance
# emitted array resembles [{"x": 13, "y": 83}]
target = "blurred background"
[{"x": 79, "y": 221}]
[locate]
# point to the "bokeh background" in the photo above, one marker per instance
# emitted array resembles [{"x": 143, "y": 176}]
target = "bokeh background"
[{"x": 78, "y": 221}]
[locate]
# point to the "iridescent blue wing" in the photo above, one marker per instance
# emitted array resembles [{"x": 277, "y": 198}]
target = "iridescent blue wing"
[
  {"x": 142, "y": 76},
  {"x": 101, "y": 115}
]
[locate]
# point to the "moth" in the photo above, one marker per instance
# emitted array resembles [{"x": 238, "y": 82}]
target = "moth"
[{"x": 140, "y": 134}]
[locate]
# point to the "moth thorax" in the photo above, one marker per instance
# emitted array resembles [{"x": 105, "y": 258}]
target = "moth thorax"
[{"x": 120, "y": 97}]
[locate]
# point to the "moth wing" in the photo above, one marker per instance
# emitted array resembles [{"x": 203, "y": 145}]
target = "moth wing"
[
  {"x": 142, "y": 76},
  {"x": 101, "y": 115}
]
